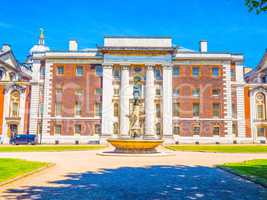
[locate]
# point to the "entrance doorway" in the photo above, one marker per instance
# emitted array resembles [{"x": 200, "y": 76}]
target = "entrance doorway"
[{"x": 13, "y": 130}]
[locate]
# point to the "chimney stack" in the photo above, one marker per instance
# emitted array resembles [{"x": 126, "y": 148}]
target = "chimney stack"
[
  {"x": 203, "y": 46},
  {"x": 73, "y": 45}
]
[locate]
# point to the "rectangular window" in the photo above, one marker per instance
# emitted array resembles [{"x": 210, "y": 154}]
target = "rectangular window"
[
  {"x": 216, "y": 130},
  {"x": 196, "y": 92},
  {"x": 196, "y": 109},
  {"x": 78, "y": 129},
  {"x": 196, "y": 130},
  {"x": 176, "y": 109},
  {"x": 158, "y": 111},
  {"x": 234, "y": 111},
  {"x": 176, "y": 130},
  {"x": 79, "y": 71},
  {"x": 78, "y": 108},
  {"x": 176, "y": 71},
  {"x": 98, "y": 91},
  {"x": 97, "y": 129},
  {"x": 60, "y": 70},
  {"x": 99, "y": 70},
  {"x": 233, "y": 73},
  {"x": 158, "y": 91},
  {"x": 215, "y": 92},
  {"x": 158, "y": 74},
  {"x": 116, "y": 73},
  {"x": 260, "y": 112},
  {"x": 116, "y": 92},
  {"x": 215, "y": 72},
  {"x": 15, "y": 109},
  {"x": 234, "y": 128},
  {"x": 216, "y": 109},
  {"x": 41, "y": 108},
  {"x": 98, "y": 109},
  {"x": 261, "y": 132},
  {"x": 158, "y": 128},
  {"x": 176, "y": 92},
  {"x": 58, "y": 129},
  {"x": 58, "y": 109},
  {"x": 195, "y": 72}
]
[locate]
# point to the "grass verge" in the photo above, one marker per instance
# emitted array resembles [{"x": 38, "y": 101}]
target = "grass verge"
[
  {"x": 11, "y": 168},
  {"x": 48, "y": 148},
  {"x": 254, "y": 170},
  {"x": 220, "y": 148}
]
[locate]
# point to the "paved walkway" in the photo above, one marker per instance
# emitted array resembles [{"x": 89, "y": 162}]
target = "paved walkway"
[{"x": 85, "y": 175}]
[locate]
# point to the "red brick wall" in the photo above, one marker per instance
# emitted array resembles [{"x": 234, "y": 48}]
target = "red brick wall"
[
  {"x": 186, "y": 83},
  {"x": 69, "y": 82}
]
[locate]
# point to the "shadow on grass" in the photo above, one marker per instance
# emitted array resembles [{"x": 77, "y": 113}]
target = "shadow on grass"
[{"x": 155, "y": 182}]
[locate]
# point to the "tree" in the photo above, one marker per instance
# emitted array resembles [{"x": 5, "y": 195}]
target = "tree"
[{"x": 257, "y": 5}]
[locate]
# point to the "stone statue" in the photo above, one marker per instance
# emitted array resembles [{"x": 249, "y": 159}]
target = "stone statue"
[{"x": 135, "y": 127}]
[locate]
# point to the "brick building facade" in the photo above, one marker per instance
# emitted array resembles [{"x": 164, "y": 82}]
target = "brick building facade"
[{"x": 86, "y": 96}]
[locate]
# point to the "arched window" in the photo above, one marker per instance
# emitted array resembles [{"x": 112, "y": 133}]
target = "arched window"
[
  {"x": 116, "y": 109},
  {"x": 2, "y": 73},
  {"x": 14, "y": 104},
  {"x": 260, "y": 106}
]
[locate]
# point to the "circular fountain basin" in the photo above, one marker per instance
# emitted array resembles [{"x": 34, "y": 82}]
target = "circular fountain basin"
[{"x": 137, "y": 146}]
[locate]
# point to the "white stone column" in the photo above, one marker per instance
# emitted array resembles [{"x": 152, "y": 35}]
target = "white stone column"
[
  {"x": 107, "y": 106},
  {"x": 124, "y": 102},
  {"x": 227, "y": 99},
  {"x": 5, "y": 138},
  {"x": 22, "y": 111},
  {"x": 150, "y": 104},
  {"x": 35, "y": 97},
  {"x": 46, "y": 129},
  {"x": 241, "y": 121},
  {"x": 167, "y": 104}
]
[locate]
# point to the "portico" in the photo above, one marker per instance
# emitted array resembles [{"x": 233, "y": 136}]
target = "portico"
[{"x": 149, "y": 61}]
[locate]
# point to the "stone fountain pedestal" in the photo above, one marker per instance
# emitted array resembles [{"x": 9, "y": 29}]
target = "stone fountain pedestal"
[{"x": 135, "y": 146}]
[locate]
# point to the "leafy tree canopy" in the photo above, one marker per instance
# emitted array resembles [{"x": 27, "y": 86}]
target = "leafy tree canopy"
[{"x": 258, "y": 6}]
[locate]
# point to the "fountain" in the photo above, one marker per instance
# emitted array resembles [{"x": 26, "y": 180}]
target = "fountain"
[{"x": 136, "y": 143}]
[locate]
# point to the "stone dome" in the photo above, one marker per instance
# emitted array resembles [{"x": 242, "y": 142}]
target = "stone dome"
[{"x": 38, "y": 49}]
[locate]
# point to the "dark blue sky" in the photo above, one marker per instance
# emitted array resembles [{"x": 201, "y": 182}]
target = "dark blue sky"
[{"x": 226, "y": 24}]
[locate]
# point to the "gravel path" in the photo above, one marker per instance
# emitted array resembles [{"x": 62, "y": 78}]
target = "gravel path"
[{"x": 85, "y": 175}]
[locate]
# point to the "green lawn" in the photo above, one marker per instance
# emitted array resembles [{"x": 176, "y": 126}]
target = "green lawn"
[
  {"x": 221, "y": 148},
  {"x": 254, "y": 170},
  {"x": 28, "y": 148},
  {"x": 11, "y": 168}
]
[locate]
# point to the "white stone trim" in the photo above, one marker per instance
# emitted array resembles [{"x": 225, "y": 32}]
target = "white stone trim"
[
  {"x": 253, "y": 116},
  {"x": 150, "y": 103},
  {"x": 34, "y": 108},
  {"x": 47, "y": 99},
  {"x": 22, "y": 112},
  {"x": 124, "y": 102},
  {"x": 5, "y": 138},
  {"x": 227, "y": 98},
  {"x": 167, "y": 102},
  {"x": 107, "y": 104},
  {"x": 70, "y": 139}
]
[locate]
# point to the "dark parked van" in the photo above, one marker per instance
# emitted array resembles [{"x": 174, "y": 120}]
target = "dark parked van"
[{"x": 23, "y": 139}]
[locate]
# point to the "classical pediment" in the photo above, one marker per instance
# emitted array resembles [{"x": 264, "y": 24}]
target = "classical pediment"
[{"x": 9, "y": 59}]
